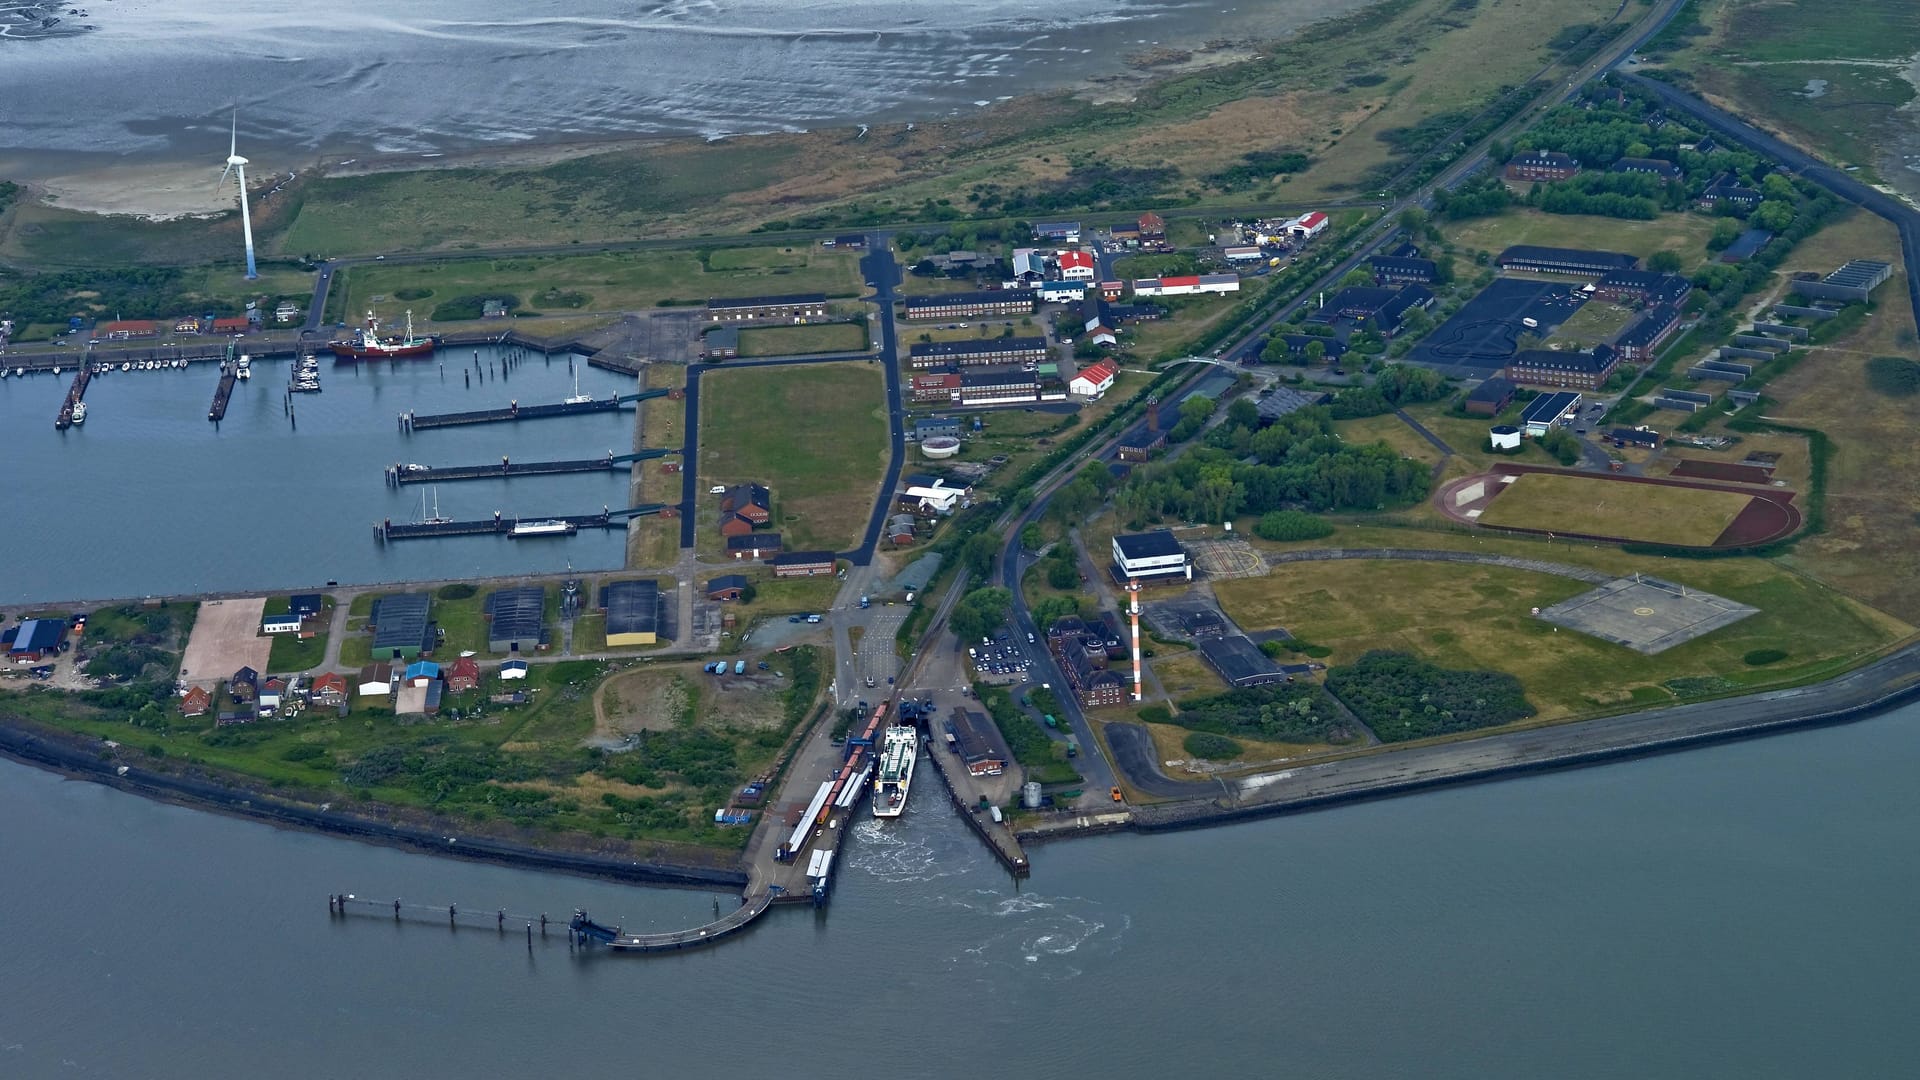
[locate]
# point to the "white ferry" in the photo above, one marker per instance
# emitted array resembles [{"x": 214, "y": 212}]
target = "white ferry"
[
  {"x": 898, "y": 750},
  {"x": 550, "y": 527}
]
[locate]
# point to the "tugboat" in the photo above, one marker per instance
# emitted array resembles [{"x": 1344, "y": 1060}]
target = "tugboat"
[
  {"x": 367, "y": 344},
  {"x": 79, "y": 412},
  {"x": 243, "y": 368}
]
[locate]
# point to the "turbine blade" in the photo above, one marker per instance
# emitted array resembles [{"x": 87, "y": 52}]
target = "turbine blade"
[
  {"x": 233, "y": 134},
  {"x": 222, "y": 182}
]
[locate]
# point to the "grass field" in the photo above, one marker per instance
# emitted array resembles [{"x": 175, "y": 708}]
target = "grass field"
[
  {"x": 604, "y": 281},
  {"x": 625, "y": 193},
  {"x": 1478, "y": 617},
  {"x": 799, "y": 340},
  {"x": 1685, "y": 234},
  {"x": 1594, "y": 506},
  {"x": 1467, "y": 435},
  {"x": 1838, "y": 81},
  {"x": 816, "y": 435},
  {"x": 1391, "y": 430},
  {"x": 655, "y": 541},
  {"x": 1873, "y": 474},
  {"x": 1185, "y": 675}
]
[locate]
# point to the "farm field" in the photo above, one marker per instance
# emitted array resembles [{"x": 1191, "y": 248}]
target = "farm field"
[
  {"x": 1593, "y": 506},
  {"x": 816, "y": 435},
  {"x": 601, "y": 281},
  {"x": 1478, "y": 618},
  {"x": 1685, "y": 234},
  {"x": 799, "y": 340}
]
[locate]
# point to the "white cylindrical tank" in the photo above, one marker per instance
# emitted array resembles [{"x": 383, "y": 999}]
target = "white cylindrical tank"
[
  {"x": 940, "y": 446},
  {"x": 1505, "y": 437}
]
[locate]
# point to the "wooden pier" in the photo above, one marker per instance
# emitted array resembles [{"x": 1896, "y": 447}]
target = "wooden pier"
[{"x": 400, "y": 474}]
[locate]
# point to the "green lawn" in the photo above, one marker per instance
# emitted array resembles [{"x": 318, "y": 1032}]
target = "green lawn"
[
  {"x": 816, "y": 435},
  {"x": 292, "y": 653},
  {"x": 799, "y": 340},
  {"x": 1597, "y": 321},
  {"x": 603, "y": 281},
  {"x": 1477, "y": 618},
  {"x": 1683, "y": 233}
]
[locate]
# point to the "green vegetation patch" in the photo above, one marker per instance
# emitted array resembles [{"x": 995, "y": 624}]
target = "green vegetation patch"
[
  {"x": 1044, "y": 759},
  {"x": 1894, "y": 376},
  {"x": 816, "y": 435},
  {"x": 1205, "y": 744},
  {"x": 1283, "y": 712},
  {"x": 1402, "y": 697},
  {"x": 800, "y": 340}
]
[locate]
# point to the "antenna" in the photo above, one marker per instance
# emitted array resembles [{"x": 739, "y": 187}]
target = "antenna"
[{"x": 238, "y": 166}]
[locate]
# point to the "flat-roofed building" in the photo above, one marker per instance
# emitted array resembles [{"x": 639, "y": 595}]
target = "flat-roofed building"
[
  {"x": 977, "y": 742},
  {"x": 1543, "y": 413},
  {"x": 1149, "y": 555},
  {"x": 802, "y": 564},
  {"x": 1236, "y": 659},
  {"x": 1535, "y": 259}
]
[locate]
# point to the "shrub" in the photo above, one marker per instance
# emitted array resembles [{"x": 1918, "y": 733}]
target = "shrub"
[
  {"x": 1893, "y": 376},
  {"x": 471, "y": 307},
  {"x": 1285, "y": 712},
  {"x": 1283, "y": 525},
  {"x": 1403, "y": 697},
  {"x": 459, "y": 590},
  {"x": 1763, "y": 657},
  {"x": 1205, "y": 744},
  {"x": 412, "y": 293},
  {"x": 1156, "y": 714}
]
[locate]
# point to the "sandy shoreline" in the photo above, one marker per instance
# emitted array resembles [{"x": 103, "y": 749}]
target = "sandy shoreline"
[{"x": 169, "y": 190}]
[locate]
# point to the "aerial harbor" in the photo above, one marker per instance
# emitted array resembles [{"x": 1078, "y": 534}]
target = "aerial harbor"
[{"x": 1015, "y": 511}]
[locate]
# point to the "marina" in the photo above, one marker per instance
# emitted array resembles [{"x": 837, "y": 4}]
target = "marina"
[{"x": 148, "y": 427}]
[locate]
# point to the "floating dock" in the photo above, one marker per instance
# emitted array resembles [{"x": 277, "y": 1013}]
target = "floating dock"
[
  {"x": 399, "y": 474},
  {"x": 515, "y": 411},
  {"x": 500, "y": 525}
]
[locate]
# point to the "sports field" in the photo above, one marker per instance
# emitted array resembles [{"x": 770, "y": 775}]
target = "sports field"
[
  {"x": 815, "y": 434},
  {"x": 1598, "y": 506}
]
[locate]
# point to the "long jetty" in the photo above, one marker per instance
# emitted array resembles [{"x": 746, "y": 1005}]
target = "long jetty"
[
  {"x": 515, "y": 412},
  {"x": 222, "y": 393},
  {"x": 501, "y": 525},
  {"x": 75, "y": 393},
  {"x": 434, "y": 474}
]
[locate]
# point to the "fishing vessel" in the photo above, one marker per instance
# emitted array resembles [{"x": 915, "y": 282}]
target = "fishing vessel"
[
  {"x": 898, "y": 750},
  {"x": 243, "y": 368},
  {"x": 79, "y": 412},
  {"x": 367, "y": 344},
  {"x": 549, "y": 527}
]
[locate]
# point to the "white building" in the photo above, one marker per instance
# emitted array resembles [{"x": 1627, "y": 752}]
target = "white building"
[
  {"x": 1094, "y": 379},
  {"x": 1062, "y": 292},
  {"x": 1242, "y": 254},
  {"x": 1076, "y": 265},
  {"x": 1187, "y": 286},
  {"x": 1307, "y": 226},
  {"x": 1150, "y": 555}
]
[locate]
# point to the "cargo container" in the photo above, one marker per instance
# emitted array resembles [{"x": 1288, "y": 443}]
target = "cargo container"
[{"x": 739, "y": 667}]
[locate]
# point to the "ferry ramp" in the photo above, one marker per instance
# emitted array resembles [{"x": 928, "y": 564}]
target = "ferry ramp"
[{"x": 726, "y": 926}]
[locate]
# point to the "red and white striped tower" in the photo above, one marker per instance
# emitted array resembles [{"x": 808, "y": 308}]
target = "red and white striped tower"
[{"x": 1133, "y": 612}]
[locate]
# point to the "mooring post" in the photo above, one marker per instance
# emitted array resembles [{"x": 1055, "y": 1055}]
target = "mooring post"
[
  {"x": 529, "y": 935},
  {"x": 450, "y": 914},
  {"x": 396, "y": 909},
  {"x": 500, "y": 920},
  {"x": 543, "y": 924}
]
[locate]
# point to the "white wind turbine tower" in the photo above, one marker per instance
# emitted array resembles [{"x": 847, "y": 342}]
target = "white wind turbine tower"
[{"x": 237, "y": 164}]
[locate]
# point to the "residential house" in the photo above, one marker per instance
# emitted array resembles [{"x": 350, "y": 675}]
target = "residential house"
[
  {"x": 463, "y": 675},
  {"x": 422, "y": 672},
  {"x": 329, "y": 690},
  {"x": 1727, "y": 190},
  {"x": 1152, "y": 226},
  {"x": 244, "y": 687},
  {"x": 1665, "y": 170},
  {"x": 196, "y": 702}
]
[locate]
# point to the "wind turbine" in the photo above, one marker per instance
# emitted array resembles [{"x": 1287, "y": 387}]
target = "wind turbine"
[{"x": 238, "y": 164}]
